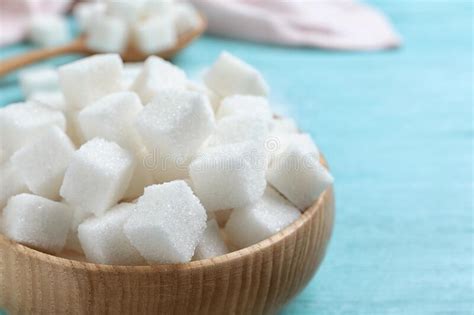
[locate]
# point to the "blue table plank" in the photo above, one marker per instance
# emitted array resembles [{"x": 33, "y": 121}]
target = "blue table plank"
[{"x": 397, "y": 129}]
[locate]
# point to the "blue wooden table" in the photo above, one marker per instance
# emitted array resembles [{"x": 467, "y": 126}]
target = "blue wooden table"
[{"x": 397, "y": 129}]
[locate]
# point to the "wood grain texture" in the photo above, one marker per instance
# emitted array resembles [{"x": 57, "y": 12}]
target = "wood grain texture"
[
  {"x": 79, "y": 46},
  {"x": 259, "y": 279}
]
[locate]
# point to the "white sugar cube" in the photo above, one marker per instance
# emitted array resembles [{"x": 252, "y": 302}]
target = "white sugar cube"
[
  {"x": 299, "y": 176},
  {"x": 98, "y": 176},
  {"x": 73, "y": 129},
  {"x": 229, "y": 176},
  {"x": 37, "y": 222},
  {"x": 51, "y": 99},
  {"x": 154, "y": 34},
  {"x": 158, "y": 7},
  {"x": 72, "y": 240},
  {"x": 277, "y": 143},
  {"x": 86, "y": 12},
  {"x": 214, "y": 99},
  {"x": 211, "y": 244},
  {"x": 48, "y": 30},
  {"x": 107, "y": 34},
  {"x": 43, "y": 161},
  {"x": 103, "y": 239},
  {"x": 283, "y": 125},
  {"x": 131, "y": 70},
  {"x": 112, "y": 117},
  {"x": 142, "y": 176},
  {"x": 239, "y": 128},
  {"x": 249, "y": 105},
  {"x": 254, "y": 223},
  {"x": 210, "y": 215},
  {"x": 22, "y": 122},
  {"x": 166, "y": 168},
  {"x": 88, "y": 79},
  {"x": 157, "y": 74},
  {"x": 168, "y": 223},
  {"x": 230, "y": 75},
  {"x": 39, "y": 79},
  {"x": 186, "y": 18},
  {"x": 11, "y": 183},
  {"x": 3, "y": 156},
  {"x": 125, "y": 10},
  {"x": 175, "y": 123}
]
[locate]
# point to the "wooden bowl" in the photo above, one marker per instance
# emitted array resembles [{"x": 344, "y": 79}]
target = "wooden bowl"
[{"x": 259, "y": 279}]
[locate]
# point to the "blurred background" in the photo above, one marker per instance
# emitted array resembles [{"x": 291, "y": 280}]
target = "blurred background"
[{"x": 386, "y": 91}]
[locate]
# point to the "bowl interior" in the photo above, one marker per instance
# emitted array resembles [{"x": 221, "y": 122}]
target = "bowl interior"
[{"x": 235, "y": 255}]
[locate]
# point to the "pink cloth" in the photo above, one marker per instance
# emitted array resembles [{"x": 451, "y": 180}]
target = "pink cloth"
[
  {"x": 16, "y": 14},
  {"x": 329, "y": 24}
]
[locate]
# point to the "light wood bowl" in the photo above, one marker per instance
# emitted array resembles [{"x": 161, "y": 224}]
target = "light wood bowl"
[{"x": 259, "y": 279}]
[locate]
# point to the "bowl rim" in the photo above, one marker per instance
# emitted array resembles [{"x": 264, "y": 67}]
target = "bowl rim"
[{"x": 307, "y": 215}]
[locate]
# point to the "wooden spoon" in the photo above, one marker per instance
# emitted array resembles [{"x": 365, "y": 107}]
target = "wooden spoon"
[{"x": 78, "y": 46}]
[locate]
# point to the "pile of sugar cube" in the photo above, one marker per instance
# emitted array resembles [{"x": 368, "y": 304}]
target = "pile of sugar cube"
[
  {"x": 150, "y": 26},
  {"x": 158, "y": 170},
  {"x": 48, "y": 30}
]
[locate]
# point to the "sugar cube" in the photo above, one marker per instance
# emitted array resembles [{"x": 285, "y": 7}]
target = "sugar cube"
[
  {"x": 166, "y": 168},
  {"x": 157, "y": 74},
  {"x": 86, "y": 12},
  {"x": 88, "y": 79},
  {"x": 256, "y": 222},
  {"x": 131, "y": 70},
  {"x": 38, "y": 79},
  {"x": 125, "y": 10},
  {"x": 230, "y": 75},
  {"x": 211, "y": 244},
  {"x": 214, "y": 99},
  {"x": 112, "y": 117},
  {"x": 20, "y": 123},
  {"x": 72, "y": 240},
  {"x": 43, "y": 161},
  {"x": 3, "y": 156},
  {"x": 52, "y": 99},
  {"x": 98, "y": 176},
  {"x": 103, "y": 239},
  {"x": 229, "y": 176},
  {"x": 186, "y": 18},
  {"x": 37, "y": 222},
  {"x": 73, "y": 129},
  {"x": 176, "y": 122},
  {"x": 11, "y": 183},
  {"x": 158, "y": 7},
  {"x": 249, "y": 105},
  {"x": 167, "y": 224},
  {"x": 210, "y": 215},
  {"x": 107, "y": 34},
  {"x": 277, "y": 143},
  {"x": 142, "y": 177},
  {"x": 239, "y": 128},
  {"x": 283, "y": 125},
  {"x": 48, "y": 30},
  {"x": 154, "y": 34},
  {"x": 299, "y": 176}
]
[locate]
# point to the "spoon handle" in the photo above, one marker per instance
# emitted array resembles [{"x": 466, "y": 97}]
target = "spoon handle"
[{"x": 13, "y": 63}]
